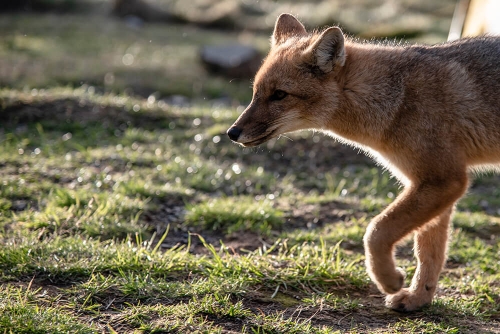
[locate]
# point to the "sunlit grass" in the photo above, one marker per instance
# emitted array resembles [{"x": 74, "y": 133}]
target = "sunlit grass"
[
  {"x": 116, "y": 216},
  {"x": 234, "y": 214},
  {"x": 30, "y": 311}
]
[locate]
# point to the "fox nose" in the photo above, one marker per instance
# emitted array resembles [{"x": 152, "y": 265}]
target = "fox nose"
[{"x": 234, "y": 133}]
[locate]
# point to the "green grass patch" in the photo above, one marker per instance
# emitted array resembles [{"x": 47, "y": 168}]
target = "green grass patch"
[
  {"x": 149, "y": 215},
  {"x": 236, "y": 214}
]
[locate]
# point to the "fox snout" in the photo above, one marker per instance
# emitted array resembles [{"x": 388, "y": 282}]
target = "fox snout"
[
  {"x": 252, "y": 132},
  {"x": 252, "y": 128},
  {"x": 234, "y": 133},
  {"x": 253, "y": 136}
]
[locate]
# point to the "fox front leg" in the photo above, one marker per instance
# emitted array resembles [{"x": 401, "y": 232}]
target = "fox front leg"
[
  {"x": 430, "y": 250},
  {"x": 417, "y": 205}
]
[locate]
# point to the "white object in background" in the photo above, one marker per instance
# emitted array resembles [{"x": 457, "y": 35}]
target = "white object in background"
[{"x": 475, "y": 18}]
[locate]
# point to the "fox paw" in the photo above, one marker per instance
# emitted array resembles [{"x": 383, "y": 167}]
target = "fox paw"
[
  {"x": 407, "y": 301},
  {"x": 391, "y": 284}
]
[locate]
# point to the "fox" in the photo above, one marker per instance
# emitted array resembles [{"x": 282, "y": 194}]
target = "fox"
[{"x": 430, "y": 114}]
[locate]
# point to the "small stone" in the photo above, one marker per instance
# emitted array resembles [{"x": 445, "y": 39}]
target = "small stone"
[
  {"x": 19, "y": 205},
  {"x": 231, "y": 60},
  {"x": 484, "y": 204}
]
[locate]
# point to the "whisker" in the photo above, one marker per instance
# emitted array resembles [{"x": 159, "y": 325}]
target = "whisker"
[{"x": 290, "y": 139}]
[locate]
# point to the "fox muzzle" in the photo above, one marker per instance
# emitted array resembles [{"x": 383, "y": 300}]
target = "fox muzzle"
[{"x": 234, "y": 133}]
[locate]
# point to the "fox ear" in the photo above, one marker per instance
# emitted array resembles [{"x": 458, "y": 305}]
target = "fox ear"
[
  {"x": 327, "y": 51},
  {"x": 286, "y": 26}
]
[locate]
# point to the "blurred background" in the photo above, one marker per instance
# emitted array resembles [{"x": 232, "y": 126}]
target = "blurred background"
[{"x": 177, "y": 50}]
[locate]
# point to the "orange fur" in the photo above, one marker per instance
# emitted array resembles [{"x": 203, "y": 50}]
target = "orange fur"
[{"x": 427, "y": 113}]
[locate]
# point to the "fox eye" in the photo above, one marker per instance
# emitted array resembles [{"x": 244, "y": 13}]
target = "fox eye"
[{"x": 278, "y": 95}]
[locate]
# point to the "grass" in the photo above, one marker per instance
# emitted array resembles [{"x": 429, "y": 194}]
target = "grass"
[
  {"x": 235, "y": 214},
  {"x": 121, "y": 213},
  {"x": 134, "y": 227}
]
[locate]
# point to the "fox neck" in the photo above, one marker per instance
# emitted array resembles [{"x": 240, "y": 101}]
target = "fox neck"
[{"x": 371, "y": 92}]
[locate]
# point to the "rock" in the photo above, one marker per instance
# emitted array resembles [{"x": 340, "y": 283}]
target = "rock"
[
  {"x": 177, "y": 100},
  {"x": 143, "y": 10},
  {"x": 134, "y": 22},
  {"x": 232, "y": 60},
  {"x": 19, "y": 205}
]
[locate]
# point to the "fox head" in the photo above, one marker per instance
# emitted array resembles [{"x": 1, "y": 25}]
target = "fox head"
[{"x": 294, "y": 86}]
